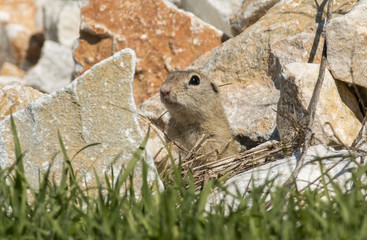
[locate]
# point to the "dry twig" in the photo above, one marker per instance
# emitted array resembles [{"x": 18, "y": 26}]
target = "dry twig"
[{"x": 312, "y": 106}]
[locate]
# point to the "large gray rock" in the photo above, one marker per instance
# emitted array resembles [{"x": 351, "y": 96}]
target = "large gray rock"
[
  {"x": 54, "y": 70},
  {"x": 297, "y": 84},
  {"x": 96, "y": 107},
  {"x": 347, "y": 45}
]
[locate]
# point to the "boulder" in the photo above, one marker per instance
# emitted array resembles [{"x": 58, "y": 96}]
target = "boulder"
[
  {"x": 214, "y": 12},
  {"x": 97, "y": 107},
  {"x": 297, "y": 84},
  {"x": 347, "y": 45},
  {"x": 54, "y": 69},
  {"x": 249, "y": 12},
  {"x": 15, "y": 97},
  {"x": 164, "y": 39}
]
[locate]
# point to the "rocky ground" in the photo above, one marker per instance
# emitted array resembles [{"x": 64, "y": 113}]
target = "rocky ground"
[{"x": 86, "y": 68}]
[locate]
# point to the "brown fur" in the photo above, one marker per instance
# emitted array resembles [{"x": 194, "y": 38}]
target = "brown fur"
[{"x": 195, "y": 111}]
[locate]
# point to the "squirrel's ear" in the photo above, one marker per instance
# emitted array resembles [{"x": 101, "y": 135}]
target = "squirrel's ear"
[{"x": 215, "y": 88}]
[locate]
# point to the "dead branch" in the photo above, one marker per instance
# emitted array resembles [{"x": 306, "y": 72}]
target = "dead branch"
[{"x": 312, "y": 105}]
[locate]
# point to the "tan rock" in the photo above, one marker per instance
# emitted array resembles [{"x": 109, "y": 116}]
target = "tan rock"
[
  {"x": 250, "y": 112},
  {"x": 249, "y": 12},
  {"x": 347, "y": 45},
  {"x": 245, "y": 58},
  {"x": 6, "y": 80},
  {"x": 96, "y": 107},
  {"x": 302, "y": 48},
  {"x": 297, "y": 84},
  {"x": 164, "y": 39},
  {"x": 9, "y": 69},
  {"x": 298, "y": 48},
  {"x": 15, "y": 97}
]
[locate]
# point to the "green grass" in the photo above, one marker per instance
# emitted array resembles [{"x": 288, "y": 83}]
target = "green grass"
[{"x": 67, "y": 211}]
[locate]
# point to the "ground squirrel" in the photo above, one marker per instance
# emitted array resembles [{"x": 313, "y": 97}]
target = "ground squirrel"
[{"x": 196, "y": 112}]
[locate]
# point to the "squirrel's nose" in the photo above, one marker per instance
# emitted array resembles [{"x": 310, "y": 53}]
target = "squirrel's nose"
[{"x": 165, "y": 91}]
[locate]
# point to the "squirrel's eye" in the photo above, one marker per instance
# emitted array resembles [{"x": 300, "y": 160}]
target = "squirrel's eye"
[{"x": 194, "y": 80}]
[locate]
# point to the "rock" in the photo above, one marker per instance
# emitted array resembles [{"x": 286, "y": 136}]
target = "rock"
[
  {"x": 6, "y": 80},
  {"x": 97, "y": 107},
  {"x": 249, "y": 12},
  {"x": 347, "y": 45},
  {"x": 214, "y": 12},
  {"x": 250, "y": 110},
  {"x": 21, "y": 12},
  {"x": 15, "y": 97},
  {"x": 296, "y": 86},
  {"x": 302, "y": 47},
  {"x": 62, "y": 21},
  {"x": 9, "y": 69},
  {"x": 6, "y": 51},
  {"x": 54, "y": 70},
  {"x": 245, "y": 58},
  {"x": 310, "y": 174},
  {"x": 164, "y": 39}
]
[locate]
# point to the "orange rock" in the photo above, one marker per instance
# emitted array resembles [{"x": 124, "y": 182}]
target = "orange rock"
[
  {"x": 21, "y": 12},
  {"x": 15, "y": 97},
  {"x": 164, "y": 39},
  {"x": 9, "y": 69}
]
